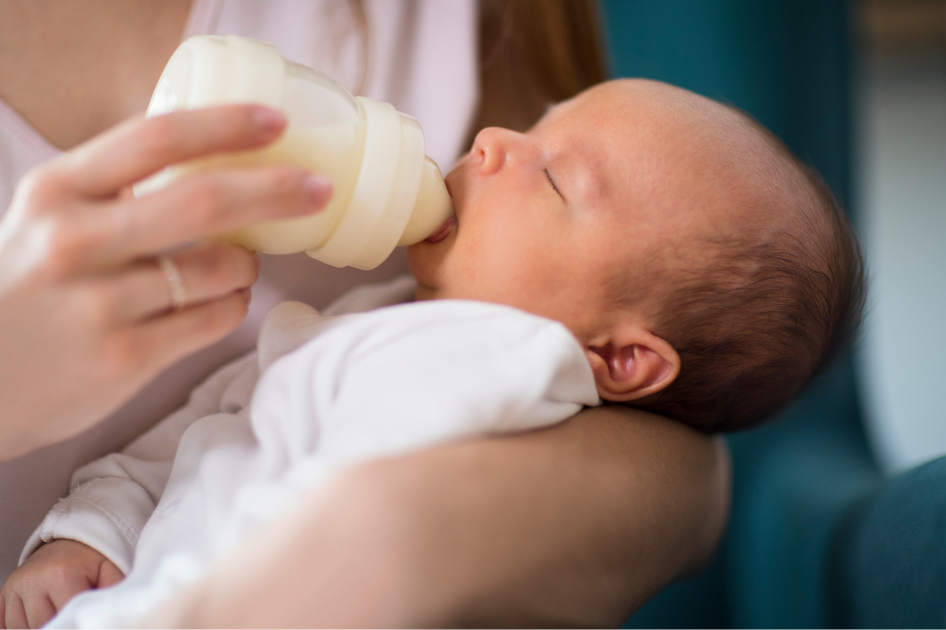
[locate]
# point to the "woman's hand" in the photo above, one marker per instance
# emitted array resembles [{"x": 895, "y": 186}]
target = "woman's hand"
[{"x": 87, "y": 311}]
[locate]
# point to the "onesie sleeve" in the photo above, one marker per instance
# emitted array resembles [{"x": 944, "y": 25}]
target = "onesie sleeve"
[
  {"x": 410, "y": 376},
  {"x": 112, "y": 498}
]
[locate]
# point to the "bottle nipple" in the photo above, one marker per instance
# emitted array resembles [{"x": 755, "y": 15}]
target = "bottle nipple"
[{"x": 432, "y": 208}]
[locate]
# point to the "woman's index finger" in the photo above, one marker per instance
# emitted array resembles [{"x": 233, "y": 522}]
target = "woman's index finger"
[{"x": 138, "y": 148}]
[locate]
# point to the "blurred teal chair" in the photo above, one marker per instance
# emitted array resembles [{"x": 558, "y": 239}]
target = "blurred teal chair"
[{"x": 818, "y": 537}]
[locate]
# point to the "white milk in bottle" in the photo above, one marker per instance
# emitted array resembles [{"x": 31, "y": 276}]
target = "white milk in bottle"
[{"x": 386, "y": 191}]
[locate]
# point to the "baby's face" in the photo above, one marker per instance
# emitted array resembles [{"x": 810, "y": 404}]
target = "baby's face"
[{"x": 547, "y": 219}]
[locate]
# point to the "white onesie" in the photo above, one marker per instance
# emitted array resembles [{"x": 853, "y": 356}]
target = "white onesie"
[{"x": 335, "y": 390}]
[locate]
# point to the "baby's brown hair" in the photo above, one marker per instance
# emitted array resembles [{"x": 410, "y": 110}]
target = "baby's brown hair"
[{"x": 760, "y": 320}]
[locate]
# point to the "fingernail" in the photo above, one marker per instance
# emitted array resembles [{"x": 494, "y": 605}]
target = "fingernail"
[
  {"x": 247, "y": 295},
  {"x": 269, "y": 121},
  {"x": 319, "y": 190}
]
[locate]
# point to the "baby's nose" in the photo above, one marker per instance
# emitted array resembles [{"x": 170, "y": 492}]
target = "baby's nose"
[{"x": 492, "y": 147}]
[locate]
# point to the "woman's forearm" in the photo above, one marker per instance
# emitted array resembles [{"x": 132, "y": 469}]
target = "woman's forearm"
[{"x": 575, "y": 525}]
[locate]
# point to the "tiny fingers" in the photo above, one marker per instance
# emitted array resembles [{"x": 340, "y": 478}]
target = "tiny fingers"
[
  {"x": 69, "y": 584},
  {"x": 39, "y": 609},
  {"x": 14, "y": 611},
  {"x": 109, "y": 575},
  {"x": 15, "y": 615}
]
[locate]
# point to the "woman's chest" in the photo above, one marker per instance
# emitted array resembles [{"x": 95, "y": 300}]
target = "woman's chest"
[{"x": 71, "y": 70}]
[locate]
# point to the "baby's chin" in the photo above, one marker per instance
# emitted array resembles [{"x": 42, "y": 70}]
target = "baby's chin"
[
  {"x": 423, "y": 292},
  {"x": 425, "y": 260}
]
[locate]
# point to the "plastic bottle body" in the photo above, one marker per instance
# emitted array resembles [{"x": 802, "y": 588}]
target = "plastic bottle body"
[{"x": 386, "y": 193}]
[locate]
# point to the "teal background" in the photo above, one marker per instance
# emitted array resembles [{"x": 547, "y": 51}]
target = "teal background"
[
  {"x": 786, "y": 62},
  {"x": 817, "y": 537}
]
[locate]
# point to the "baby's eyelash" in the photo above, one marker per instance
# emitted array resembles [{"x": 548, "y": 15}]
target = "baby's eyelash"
[{"x": 549, "y": 177}]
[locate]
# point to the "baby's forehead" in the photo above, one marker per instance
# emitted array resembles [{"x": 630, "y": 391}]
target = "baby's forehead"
[
  {"x": 648, "y": 143},
  {"x": 628, "y": 133},
  {"x": 625, "y": 111}
]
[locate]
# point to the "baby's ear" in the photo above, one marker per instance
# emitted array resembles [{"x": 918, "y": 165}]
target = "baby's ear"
[{"x": 639, "y": 364}]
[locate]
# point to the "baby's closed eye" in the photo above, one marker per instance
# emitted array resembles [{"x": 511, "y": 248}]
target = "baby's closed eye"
[{"x": 552, "y": 183}]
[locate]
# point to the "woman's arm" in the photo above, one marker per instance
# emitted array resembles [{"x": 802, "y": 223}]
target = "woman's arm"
[{"x": 575, "y": 525}]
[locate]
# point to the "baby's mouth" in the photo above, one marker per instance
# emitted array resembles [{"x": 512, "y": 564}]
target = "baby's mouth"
[{"x": 443, "y": 231}]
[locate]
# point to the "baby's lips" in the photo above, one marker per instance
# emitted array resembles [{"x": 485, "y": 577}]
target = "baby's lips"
[{"x": 443, "y": 231}]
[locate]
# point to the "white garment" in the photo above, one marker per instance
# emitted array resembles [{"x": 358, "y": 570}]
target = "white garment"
[
  {"x": 422, "y": 58},
  {"x": 334, "y": 391}
]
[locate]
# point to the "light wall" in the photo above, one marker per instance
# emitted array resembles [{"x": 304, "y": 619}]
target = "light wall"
[{"x": 900, "y": 191}]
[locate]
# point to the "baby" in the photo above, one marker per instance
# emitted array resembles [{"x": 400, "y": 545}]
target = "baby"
[
  {"x": 707, "y": 273},
  {"x": 657, "y": 249}
]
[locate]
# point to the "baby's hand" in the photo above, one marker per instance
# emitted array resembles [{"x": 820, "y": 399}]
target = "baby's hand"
[{"x": 54, "y": 574}]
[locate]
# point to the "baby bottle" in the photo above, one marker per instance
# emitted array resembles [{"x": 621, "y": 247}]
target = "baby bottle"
[{"x": 386, "y": 191}]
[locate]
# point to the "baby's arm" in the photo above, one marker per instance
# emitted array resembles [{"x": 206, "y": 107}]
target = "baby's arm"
[
  {"x": 411, "y": 376},
  {"x": 88, "y": 539}
]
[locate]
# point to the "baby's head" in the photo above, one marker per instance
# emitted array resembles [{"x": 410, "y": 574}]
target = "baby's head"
[{"x": 706, "y": 271}]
